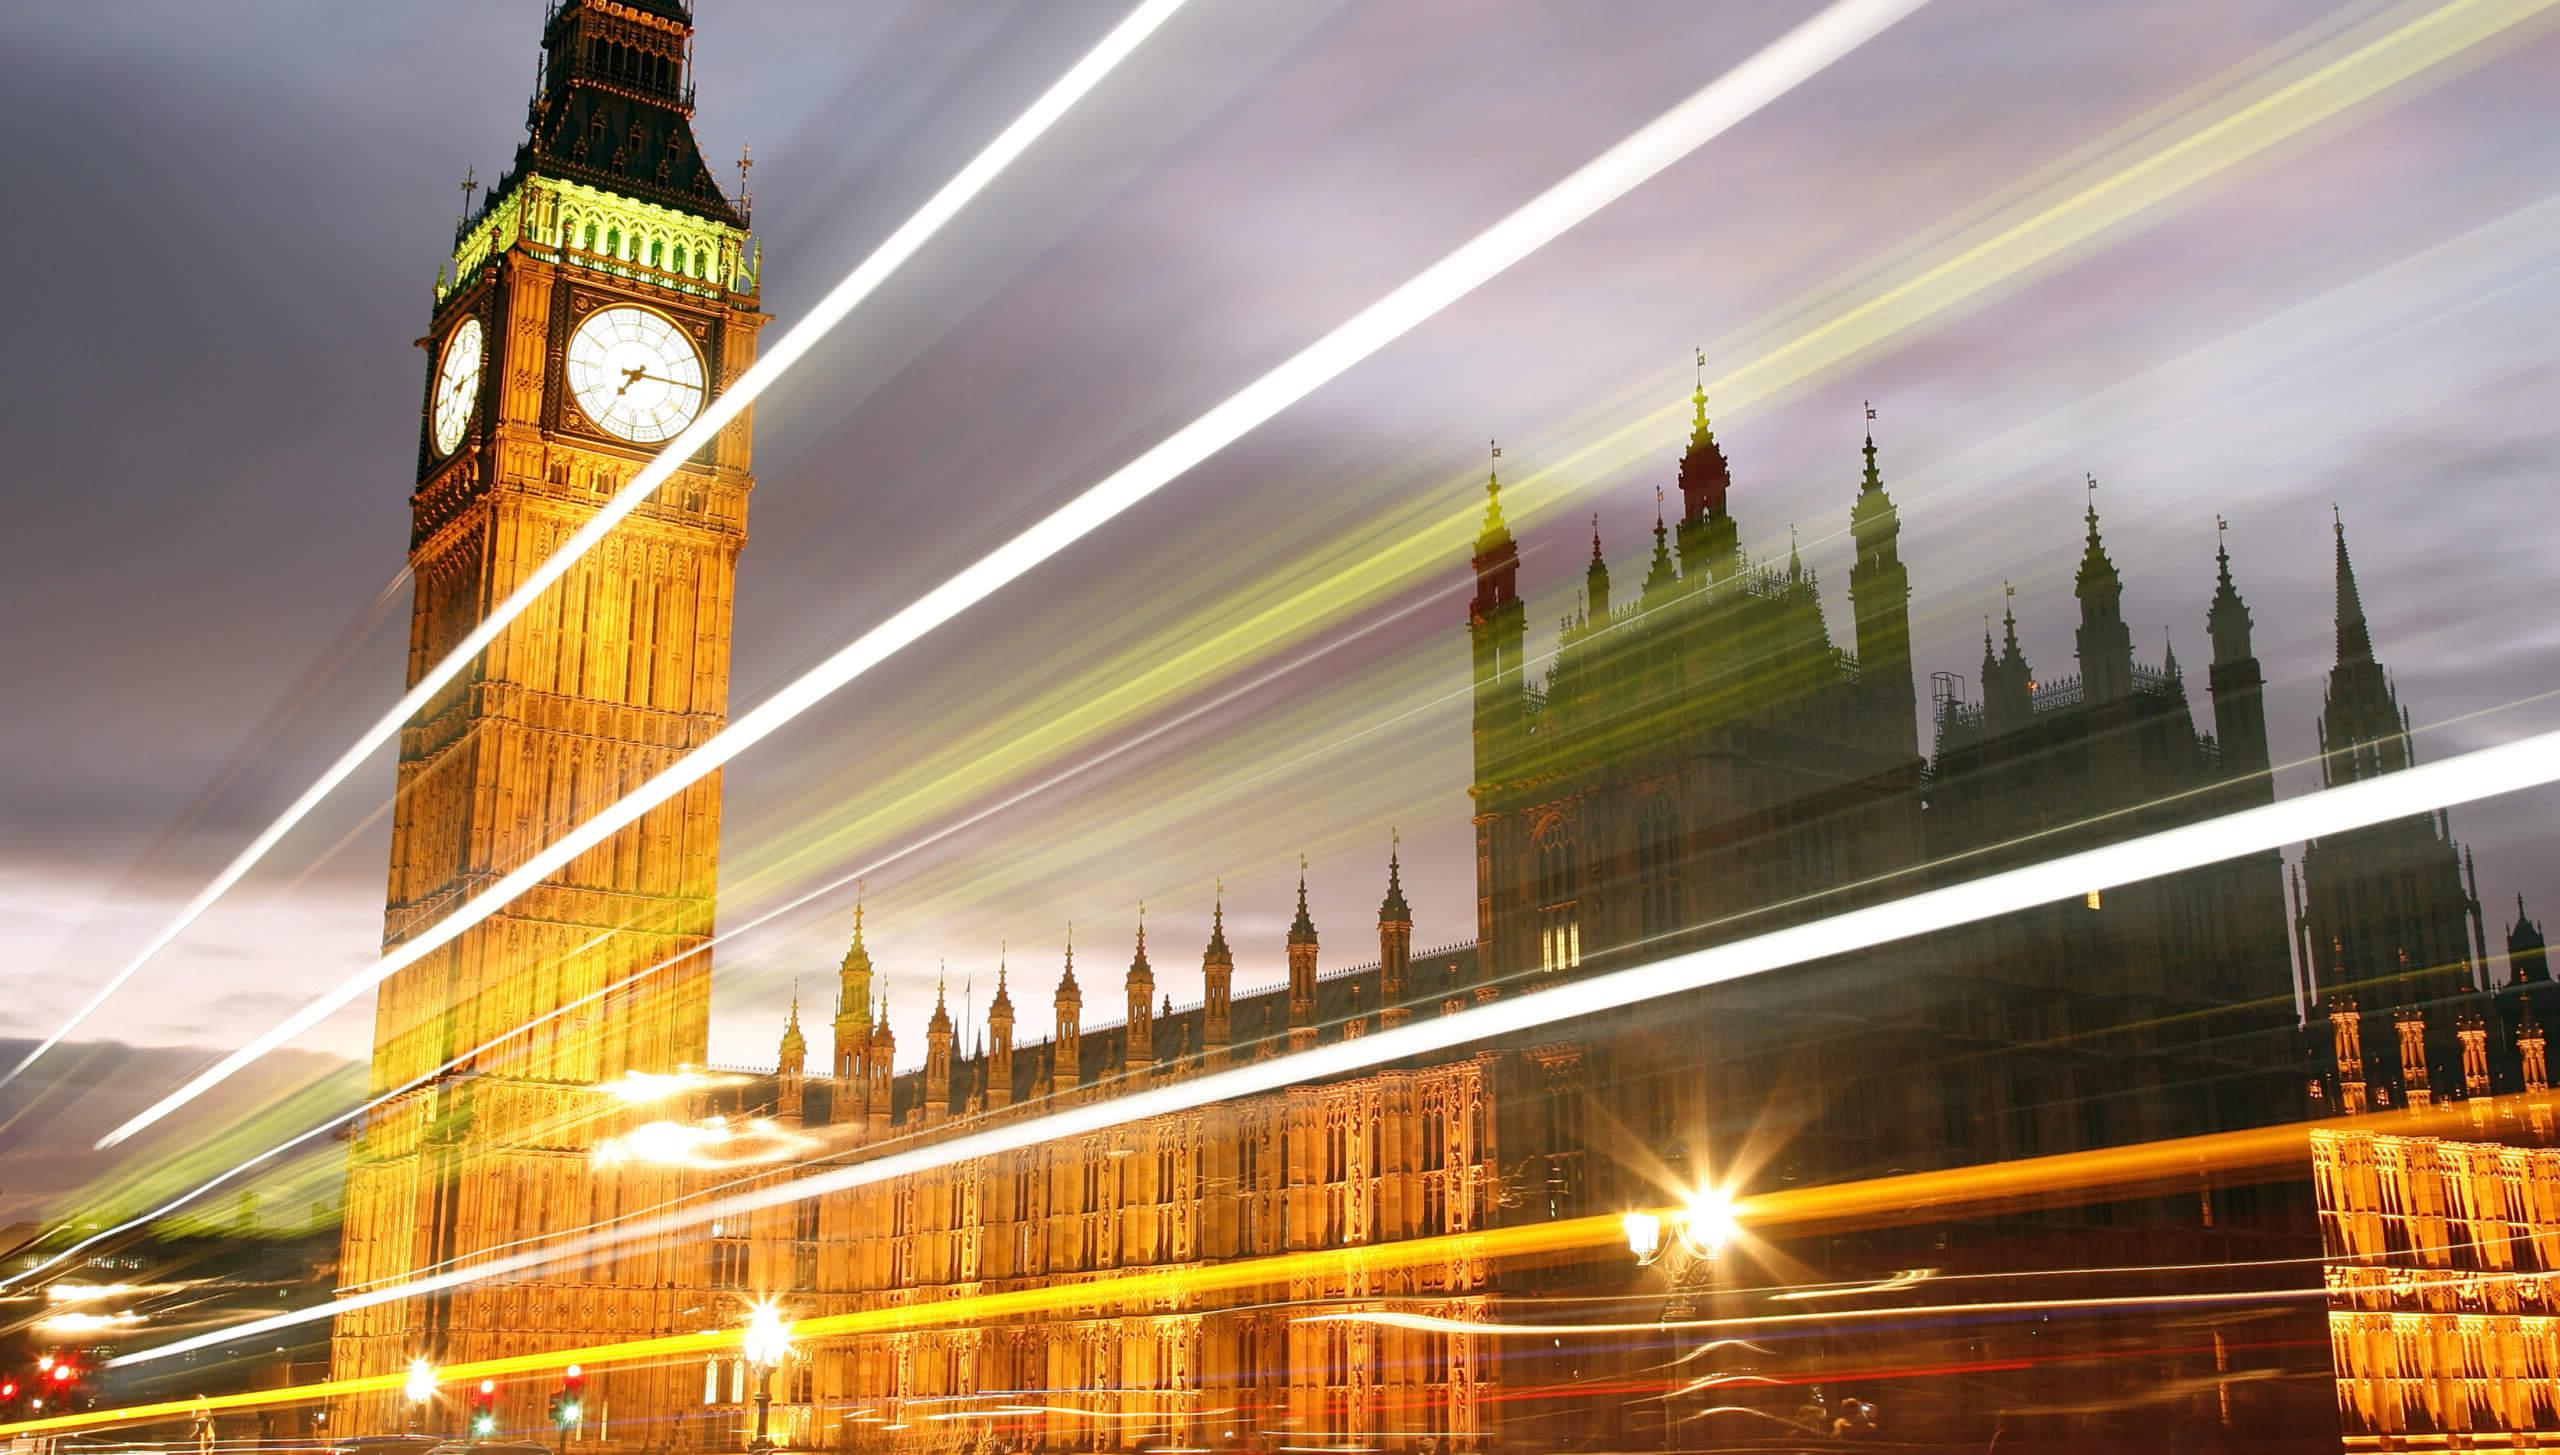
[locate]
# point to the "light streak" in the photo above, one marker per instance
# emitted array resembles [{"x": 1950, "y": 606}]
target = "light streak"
[
  {"x": 1293, "y": 600},
  {"x": 866, "y": 277},
  {"x": 637, "y": 1085},
  {"x": 2207, "y": 134},
  {"x": 1940, "y": 1191},
  {"x": 2524, "y": 763},
  {"x": 1723, "y": 102},
  {"x": 1902, "y": 1280},
  {"x": 1437, "y": 1324}
]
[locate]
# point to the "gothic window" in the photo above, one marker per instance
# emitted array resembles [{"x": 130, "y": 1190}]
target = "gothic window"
[
  {"x": 728, "y": 1260},
  {"x": 1657, "y": 866},
  {"x": 682, "y": 263},
  {"x": 613, "y": 241},
  {"x": 1559, "y": 893},
  {"x": 804, "y": 1245}
]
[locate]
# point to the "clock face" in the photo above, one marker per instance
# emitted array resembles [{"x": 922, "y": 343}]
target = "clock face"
[
  {"x": 457, "y": 385},
  {"x": 635, "y": 374}
]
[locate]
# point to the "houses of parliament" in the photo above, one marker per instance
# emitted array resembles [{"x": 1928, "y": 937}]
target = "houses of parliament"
[{"x": 1701, "y": 760}]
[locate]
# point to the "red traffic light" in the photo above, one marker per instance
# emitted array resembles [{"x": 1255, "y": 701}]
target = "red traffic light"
[
  {"x": 63, "y": 1373},
  {"x": 573, "y": 1379},
  {"x": 8, "y": 1389}
]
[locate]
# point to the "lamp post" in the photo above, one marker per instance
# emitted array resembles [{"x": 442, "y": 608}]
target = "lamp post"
[
  {"x": 767, "y": 1344},
  {"x": 420, "y": 1389},
  {"x": 1687, "y": 1242}
]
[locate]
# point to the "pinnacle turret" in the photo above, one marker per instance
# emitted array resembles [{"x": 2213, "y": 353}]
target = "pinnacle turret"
[
  {"x": 1709, "y": 544},
  {"x": 795, "y": 1046},
  {"x": 1302, "y": 930},
  {"x": 1394, "y": 910},
  {"x": 1595, "y": 579}
]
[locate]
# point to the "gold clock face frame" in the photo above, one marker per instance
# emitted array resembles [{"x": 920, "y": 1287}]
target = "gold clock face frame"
[
  {"x": 635, "y": 374},
  {"x": 457, "y": 391}
]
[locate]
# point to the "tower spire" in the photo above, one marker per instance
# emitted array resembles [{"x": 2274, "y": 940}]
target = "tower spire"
[
  {"x": 1394, "y": 909},
  {"x": 1873, "y": 483},
  {"x": 1710, "y": 543},
  {"x": 1302, "y": 930},
  {"x": 1701, "y": 433},
  {"x": 2355, "y": 639},
  {"x": 1495, "y": 528},
  {"x": 2106, "y": 645}
]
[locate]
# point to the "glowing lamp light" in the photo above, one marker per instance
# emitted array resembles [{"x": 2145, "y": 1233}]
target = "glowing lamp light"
[
  {"x": 486, "y": 1424},
  {"x": 1644, "y": 1235},
  {"x": 44, "y": 1363},
  {"x": 768, "y": 1340},
  {"x": 422, "y": 1382},
  {"x": 1707, "y": 1224}
]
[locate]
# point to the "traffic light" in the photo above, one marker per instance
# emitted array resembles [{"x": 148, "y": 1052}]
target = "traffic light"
[
  {"x": 484, "y": 1408},
  {"x": 569, "y": 1405}
]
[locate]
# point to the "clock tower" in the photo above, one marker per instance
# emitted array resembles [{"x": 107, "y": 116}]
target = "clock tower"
[{"x": 604, "y": 290}]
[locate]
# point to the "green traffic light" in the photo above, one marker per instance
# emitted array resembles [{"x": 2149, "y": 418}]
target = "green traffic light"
[
  {"x": 484, "y": 1424},
  {"x": 569, "y": 1413}
]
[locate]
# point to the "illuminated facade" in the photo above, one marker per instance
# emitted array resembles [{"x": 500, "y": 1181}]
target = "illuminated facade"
[
  {"x": 600, "y": 295},
  {"x": 1701, "y": 761}
]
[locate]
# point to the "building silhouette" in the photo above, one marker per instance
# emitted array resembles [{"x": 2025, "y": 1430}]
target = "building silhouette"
[{"x": 1700, "y": 761}]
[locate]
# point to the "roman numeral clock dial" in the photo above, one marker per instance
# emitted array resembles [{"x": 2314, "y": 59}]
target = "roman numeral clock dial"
[
  {"x": 635, "y": 374},
  {"x": 457, "y": 385}
]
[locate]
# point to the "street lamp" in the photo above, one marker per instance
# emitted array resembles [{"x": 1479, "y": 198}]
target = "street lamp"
[
  {"x": 420, "y": 1389},
  {"x": 1701, "y": 1228},
  {"x": 767, "y": 1344}
]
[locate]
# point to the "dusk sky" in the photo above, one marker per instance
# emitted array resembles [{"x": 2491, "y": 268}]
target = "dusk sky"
[{"x": 232, "y": 215}]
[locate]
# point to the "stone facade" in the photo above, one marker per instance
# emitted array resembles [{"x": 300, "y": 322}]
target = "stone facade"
[{"x": 1700, "y": 762}]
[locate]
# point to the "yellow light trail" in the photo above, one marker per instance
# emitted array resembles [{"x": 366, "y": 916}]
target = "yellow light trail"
[
  {"x": 1741, "y": 92},
  {"x": 2265, "y": 116},
  {"x": 1905, "y": 1197},
  {"x": 2250, "y": 109},
  {"x": 2522, "y": 763},
  {"x": 723, "y": 410},
  {"x": 2243, "y": 118}
]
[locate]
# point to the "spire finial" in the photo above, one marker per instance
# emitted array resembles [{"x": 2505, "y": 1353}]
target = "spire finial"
[
  {"x": 1699, "y": 430},
  {"x": 2093, "y": 504},
  {"x": 1142, "y": 929},
  {"x": 1873, "y": 483},
  {"x": 470, "y": 184},
  {"x": 1493, "y": 526},
  {"x": 858, "y": 886},
  {"x": 746, "y": 164},
  {"x": 1595, "y": 538}
]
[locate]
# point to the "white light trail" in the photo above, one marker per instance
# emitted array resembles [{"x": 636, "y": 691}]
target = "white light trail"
[
  {"x": 866, "y": 277},
  {"x": 1786, "y": 63},
  {"x": 638, "y": 1085},
  {"x": 2529, "y": 762}
]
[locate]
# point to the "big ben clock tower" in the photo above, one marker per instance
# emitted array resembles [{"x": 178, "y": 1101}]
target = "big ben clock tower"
[{"x": 604, "y": 292}]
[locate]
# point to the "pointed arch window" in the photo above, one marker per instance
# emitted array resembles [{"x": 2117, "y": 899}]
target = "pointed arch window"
[
  {"x": 1658, "y": 865},
  {"x": 1559, "y": 900}
]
